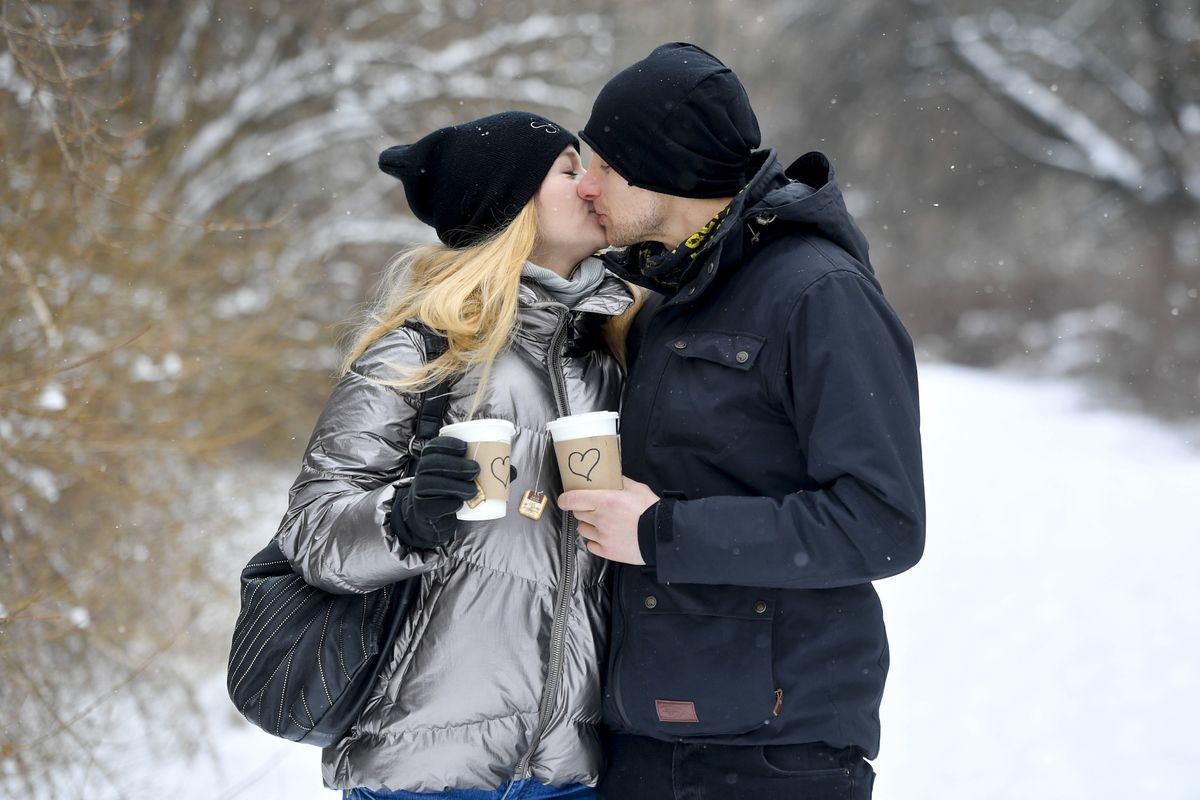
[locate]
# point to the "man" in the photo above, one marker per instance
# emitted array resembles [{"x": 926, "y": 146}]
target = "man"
[{"x": 771, "y": 443}]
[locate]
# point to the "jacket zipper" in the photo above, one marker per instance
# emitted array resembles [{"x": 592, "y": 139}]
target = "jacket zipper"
[{"x": 562, "y": 602}]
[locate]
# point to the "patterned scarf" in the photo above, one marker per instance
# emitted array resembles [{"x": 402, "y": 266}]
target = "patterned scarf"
[{"x": 671, "y": 268}]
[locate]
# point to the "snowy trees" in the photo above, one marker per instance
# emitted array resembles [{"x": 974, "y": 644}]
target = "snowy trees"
[
  {"x": 1103, "y": 97},
  {"x": 189, "y": 203},
  {"x": 189, "y": 199},
  {"x": 1027, "y": 172}
]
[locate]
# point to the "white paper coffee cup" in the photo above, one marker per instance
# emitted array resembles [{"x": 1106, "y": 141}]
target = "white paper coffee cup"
[
  {"x": 489, "y": 443},
  {"x": 588, "y": 450}
]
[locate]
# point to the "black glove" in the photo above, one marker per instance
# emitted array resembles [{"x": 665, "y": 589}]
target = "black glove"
[{"x": 423, "y": 512}]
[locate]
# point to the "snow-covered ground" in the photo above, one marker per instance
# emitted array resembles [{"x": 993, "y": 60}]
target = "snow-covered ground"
[
  {"x": 1046, "y": 645},
  {"x": 1044, "y": 648}
]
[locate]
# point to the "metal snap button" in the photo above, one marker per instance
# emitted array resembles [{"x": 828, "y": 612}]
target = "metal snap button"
[
  {"x": 692, "y": 290},
  {"x": 760, "y": 607},
  {"x": 742, "y": 356},
  {"x": 680, "y": 345},
  {"x": 651, "y": 601},
  {"x": 712, "y": 268}
]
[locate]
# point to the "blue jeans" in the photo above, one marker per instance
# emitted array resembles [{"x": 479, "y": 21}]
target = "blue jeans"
[{"x": 520, "y": 790}]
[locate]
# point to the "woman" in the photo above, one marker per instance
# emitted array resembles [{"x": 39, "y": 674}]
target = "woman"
[{"x": 492, "y": 690}]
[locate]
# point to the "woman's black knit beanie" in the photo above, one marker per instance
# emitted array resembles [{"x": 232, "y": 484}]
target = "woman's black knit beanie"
[
  {"x": 470, "y": 180},
  {"x": 677, "y": 122}
]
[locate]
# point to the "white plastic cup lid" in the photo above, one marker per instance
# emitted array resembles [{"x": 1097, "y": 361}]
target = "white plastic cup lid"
[
  {"x": 581, "y": 426},
  {"x": 481, "y": 430}
]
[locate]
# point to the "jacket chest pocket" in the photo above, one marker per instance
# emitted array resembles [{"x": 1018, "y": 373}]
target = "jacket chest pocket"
[{"x": 712, "y": 378}]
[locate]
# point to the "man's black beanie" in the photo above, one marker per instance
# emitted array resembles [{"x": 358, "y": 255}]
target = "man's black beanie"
[
  {"x": 677, "y": 122},
  {"x": 470, "y": 180}
]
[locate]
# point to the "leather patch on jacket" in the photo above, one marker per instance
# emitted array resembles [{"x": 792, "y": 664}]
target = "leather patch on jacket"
[{"x": 676, "y": 711}]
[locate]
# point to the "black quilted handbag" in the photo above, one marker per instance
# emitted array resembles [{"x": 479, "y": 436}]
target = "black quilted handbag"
[{"x": 303, "y": 661}]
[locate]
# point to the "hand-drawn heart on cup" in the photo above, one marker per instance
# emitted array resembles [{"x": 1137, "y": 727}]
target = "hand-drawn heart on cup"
[
  {"x": 503, "y": 463},
  {"x": 587, "y": 461}
]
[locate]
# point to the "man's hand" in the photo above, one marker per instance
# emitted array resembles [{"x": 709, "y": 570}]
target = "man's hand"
[{"x": 608, "y": 518}]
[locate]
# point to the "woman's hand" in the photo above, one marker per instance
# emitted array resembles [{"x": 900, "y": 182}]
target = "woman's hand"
[{"x": 423, "y": 513}]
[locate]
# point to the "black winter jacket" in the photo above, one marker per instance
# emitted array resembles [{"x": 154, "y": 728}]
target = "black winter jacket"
[{"x": 772, "y": 402}]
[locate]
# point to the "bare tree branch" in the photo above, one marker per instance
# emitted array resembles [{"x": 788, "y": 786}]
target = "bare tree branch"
[{"x": 1104, "y": 157}]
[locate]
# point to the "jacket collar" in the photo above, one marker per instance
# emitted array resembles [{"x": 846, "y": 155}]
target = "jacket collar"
[{"x": 611, "y": 297}]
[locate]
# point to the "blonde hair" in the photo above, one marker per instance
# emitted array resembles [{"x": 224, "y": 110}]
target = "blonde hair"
[
  {"x": 616, "y": 330},
  {"x": 468, "y": 295}
]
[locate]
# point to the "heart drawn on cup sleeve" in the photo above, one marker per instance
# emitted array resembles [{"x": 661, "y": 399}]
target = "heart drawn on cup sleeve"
[
  {"x": 503, "y": 463},
  {"x": 586, "y": 460}
]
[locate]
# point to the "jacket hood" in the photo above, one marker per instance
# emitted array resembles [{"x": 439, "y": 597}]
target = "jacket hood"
[{"x": 808, "y": 196}]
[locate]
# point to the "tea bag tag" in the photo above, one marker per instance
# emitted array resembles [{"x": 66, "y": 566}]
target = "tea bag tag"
[
  {"x": 533, "y": 504},
  {"x": 479, "y": 497}
]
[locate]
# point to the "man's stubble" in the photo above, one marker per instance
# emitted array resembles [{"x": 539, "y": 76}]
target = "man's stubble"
[{"x": 644, "y": 225}]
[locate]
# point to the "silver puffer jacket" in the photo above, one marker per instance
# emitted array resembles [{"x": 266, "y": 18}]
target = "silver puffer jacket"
[{"x": 496, "y": 673}]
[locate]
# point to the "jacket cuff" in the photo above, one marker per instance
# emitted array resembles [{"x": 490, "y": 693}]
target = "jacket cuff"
[
  {"x": 645, "y": 532},
  {"x": 655, "y": 527}
]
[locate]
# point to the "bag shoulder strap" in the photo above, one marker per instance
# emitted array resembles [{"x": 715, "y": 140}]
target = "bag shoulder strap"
[{"x": 431, "y": 403}]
